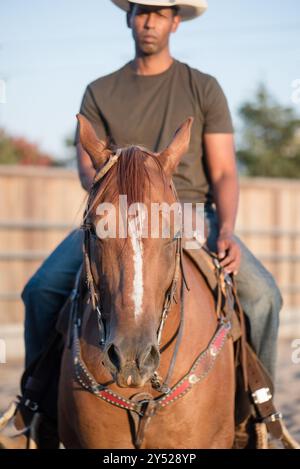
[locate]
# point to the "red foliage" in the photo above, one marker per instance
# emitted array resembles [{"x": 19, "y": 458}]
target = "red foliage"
[{"x": 29, "y": 153}]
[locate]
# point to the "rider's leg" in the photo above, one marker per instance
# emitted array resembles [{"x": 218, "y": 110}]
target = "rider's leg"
[
  {"x": 259, "y": 295},
  {"x": 47, "y": 290}
]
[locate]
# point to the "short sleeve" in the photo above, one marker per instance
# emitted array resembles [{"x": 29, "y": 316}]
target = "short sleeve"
[
  {"x": 217, "y": 118},
  {"x": 91, "y": 111}
]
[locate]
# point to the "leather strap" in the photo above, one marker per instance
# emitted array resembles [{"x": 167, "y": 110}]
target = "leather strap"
[
  {"x": 141, "y": 421},
  {"x": 200, "y": 369},
  {"x": 257, "y": 382}
]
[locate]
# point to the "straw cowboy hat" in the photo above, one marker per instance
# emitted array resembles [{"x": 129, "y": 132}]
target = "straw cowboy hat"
[{"x": 188, "y": 9}]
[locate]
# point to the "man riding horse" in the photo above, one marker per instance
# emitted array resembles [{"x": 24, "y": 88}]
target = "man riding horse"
[{"x": 144, "y": 102}]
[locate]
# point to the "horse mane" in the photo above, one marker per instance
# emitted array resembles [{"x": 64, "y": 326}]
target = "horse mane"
[{"x": 129, "y": 175}]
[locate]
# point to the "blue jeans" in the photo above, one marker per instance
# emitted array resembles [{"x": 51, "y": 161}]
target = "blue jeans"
[
  {"x": 259, "y": 296},
  {"x": 48, "y": 289}
]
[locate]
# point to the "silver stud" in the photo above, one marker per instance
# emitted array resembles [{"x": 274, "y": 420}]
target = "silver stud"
[{"x": 193, "y": 379}]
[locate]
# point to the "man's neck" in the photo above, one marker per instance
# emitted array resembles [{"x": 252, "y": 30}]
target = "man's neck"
[{"x": 152, "y": 64}]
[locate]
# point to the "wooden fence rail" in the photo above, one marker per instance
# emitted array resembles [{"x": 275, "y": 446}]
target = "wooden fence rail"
[{"x": 39, "y": 206}]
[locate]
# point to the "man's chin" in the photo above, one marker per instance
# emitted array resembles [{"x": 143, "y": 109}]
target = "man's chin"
[{"x": 149, "y": 49}]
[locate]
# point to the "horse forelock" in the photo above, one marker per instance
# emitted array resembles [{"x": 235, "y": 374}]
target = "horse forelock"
[{"x": 129, "y": 176}]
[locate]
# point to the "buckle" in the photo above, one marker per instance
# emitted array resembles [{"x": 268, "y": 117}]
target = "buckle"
[
  {"x": 262, "y": 395},
  {"x": 225, "y": 322},
  {"x": 273, "y": 417},
  {"x": 143, "y": 405},
  {"x": 228, "y": 280},
  {"x": 78, "y": 322},
  {"x": 31, "y": 405},
  {"x": 217, "y": 263}
]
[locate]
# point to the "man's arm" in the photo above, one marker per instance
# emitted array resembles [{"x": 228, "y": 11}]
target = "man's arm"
[
  {"x": 90, "y": 109},
  {"x": 86, "y": 170},
  {"x": 221, "y": 161}
]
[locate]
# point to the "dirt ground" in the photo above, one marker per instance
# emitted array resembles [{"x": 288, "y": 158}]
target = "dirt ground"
[{"x": 287, "y": 388}]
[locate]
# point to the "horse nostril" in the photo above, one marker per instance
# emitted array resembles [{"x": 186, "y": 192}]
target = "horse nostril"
[
  {"x": 149, "y": 359},
  {"x": 114, "y": 356}
]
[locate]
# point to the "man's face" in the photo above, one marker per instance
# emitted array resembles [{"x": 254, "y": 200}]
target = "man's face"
[{"x": 151, "y": 27}]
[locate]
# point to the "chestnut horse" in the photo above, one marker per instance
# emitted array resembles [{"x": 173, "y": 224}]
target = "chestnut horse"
[{"x": 149, "y": 315}]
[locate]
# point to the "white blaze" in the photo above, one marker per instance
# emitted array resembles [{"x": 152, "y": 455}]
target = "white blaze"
[{"x": 138, "y": 285}]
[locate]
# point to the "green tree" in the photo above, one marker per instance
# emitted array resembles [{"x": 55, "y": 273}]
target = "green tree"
[
  {"x": 270, "y": 138},
  {"x": 8, "y": 154},
  {"x": 70, "y": 159}
]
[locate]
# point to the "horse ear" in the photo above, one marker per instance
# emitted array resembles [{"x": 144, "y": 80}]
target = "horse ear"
[
  {"x": 91, "y": 143},
  {"x": 171, "y": 156}
]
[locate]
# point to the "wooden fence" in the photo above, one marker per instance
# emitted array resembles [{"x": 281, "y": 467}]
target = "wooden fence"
[{"x": 39, "y": 206}]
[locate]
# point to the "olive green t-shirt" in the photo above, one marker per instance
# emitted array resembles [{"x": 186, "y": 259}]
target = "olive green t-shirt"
[{"x": 147, "y": 110}]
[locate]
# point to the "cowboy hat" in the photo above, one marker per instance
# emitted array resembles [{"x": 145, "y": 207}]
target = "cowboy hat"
[{"x": 188, "y": 9}]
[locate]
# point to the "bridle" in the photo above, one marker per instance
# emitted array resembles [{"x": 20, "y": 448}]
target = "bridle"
[
  {"x": 142, "y": 405},
  {"x": 94, "y": 293}
]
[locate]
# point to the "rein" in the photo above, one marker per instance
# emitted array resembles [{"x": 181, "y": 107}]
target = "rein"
[{"x": 142, "y": 405}]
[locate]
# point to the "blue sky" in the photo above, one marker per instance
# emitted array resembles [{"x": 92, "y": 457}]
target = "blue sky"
[{"x": 51, "y": 49}]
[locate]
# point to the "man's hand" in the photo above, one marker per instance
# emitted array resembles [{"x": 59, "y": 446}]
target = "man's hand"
[{"x": 229, "y": 253}]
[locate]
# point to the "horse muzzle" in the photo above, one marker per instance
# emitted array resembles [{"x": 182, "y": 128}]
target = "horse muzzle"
[{"x": 131, "y": 369}]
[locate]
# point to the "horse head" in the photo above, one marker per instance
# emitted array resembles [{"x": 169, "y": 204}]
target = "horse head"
[{"x": 132, "y": 244}]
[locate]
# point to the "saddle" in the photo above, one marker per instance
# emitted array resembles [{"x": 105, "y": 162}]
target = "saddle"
[
  {"x": 255, "y": 414},
  {"x": 254, "y": 408}
]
